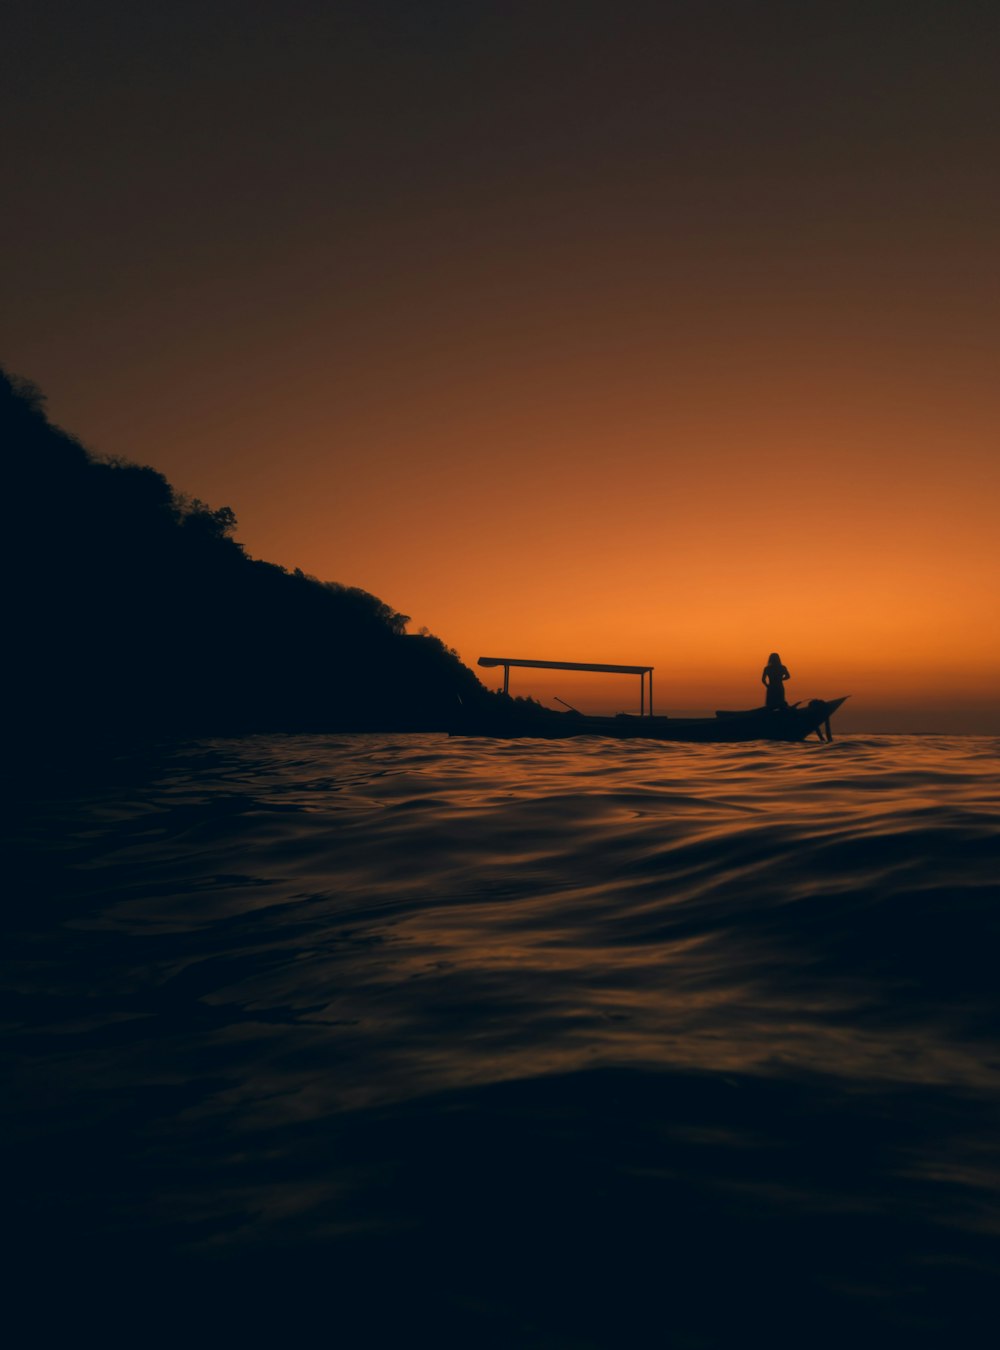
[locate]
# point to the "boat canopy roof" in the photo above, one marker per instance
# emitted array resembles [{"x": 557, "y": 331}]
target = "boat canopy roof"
[{"x": 563, "y": 665}]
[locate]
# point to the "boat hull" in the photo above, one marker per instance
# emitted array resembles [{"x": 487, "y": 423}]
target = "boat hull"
[{"x": 793, "y": 723}]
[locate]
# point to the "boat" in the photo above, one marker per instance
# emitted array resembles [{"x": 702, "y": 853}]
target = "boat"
[
  {"x": 518, "y": 718},
  {"x": 509, "y": 717}
]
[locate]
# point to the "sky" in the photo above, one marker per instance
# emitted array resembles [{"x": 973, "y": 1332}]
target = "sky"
[{"x": 638, "y": 333}]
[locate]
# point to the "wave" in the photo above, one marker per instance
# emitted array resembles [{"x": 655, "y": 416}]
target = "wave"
[{"x": 755, "y": 982}]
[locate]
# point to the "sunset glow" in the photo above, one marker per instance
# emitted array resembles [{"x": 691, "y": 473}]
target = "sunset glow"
[{"x": 676, "y": 357}]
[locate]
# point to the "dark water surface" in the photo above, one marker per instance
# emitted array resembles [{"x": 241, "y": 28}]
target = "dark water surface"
[{"x": 511, "y": 1044}]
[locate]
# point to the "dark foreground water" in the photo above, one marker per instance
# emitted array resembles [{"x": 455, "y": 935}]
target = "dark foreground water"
[{"x": 409, "y": 1040}]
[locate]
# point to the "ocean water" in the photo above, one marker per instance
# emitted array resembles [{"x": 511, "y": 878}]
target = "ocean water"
[{"x": 542, "y": 1044}]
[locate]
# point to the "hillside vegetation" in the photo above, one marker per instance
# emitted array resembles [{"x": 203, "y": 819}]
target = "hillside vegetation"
[{"x": 133, "y": 610}]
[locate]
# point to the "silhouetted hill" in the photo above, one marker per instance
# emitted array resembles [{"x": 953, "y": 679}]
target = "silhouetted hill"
[{"x": 133, "y": 611}]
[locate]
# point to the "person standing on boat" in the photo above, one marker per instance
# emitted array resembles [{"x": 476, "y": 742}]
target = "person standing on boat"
[{"x": 773, "y": 679}]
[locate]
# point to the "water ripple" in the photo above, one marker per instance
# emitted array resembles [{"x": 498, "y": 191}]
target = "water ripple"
[{"x": 235, "y": 949}]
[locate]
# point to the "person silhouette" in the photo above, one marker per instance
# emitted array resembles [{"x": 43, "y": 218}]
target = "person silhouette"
[{"x": 773, "y": 678}]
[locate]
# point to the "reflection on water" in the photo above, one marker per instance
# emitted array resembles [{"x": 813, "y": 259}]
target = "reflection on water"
[{"x": 549, "y": 1041}]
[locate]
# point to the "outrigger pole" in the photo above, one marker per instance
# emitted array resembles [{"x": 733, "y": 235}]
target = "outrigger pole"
[{"x": 641, "y": 671}]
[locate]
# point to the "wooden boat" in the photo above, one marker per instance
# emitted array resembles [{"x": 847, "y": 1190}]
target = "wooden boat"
[{"x": 517, "y": 718}]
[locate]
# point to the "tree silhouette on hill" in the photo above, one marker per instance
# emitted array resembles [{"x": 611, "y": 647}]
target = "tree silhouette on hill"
[{"x": 134, "y": 611}]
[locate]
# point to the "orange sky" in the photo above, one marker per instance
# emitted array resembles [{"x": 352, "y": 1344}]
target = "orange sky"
[{"x": 628, "y": 343}]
